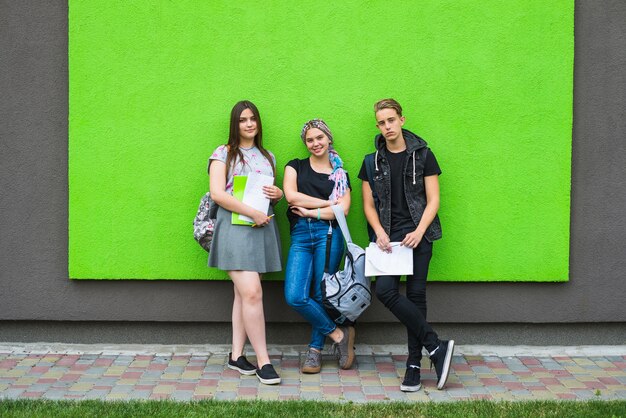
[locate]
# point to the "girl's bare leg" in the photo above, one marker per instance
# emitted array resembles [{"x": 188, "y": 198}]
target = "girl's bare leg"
[
  {"x": 239, "y": 330},
  {"x": 248, "y": 284}
]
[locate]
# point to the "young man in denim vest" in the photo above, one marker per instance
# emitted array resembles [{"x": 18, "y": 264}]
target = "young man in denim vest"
[{"x": 400, "y": 200}]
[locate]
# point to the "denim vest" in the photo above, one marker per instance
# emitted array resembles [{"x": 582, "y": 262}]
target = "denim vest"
[{"x": 379, "y": 176}]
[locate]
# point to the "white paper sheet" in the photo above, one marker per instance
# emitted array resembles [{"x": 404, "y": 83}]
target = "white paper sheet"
[
  {"x": 253, "y": 193},
  {"x": 398, "y": 262}
]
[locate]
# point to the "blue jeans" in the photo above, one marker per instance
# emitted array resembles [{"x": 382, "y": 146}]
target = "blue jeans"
[{"x": 303, "y": 275}]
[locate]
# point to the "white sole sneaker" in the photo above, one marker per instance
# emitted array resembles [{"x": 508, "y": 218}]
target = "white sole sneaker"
[
  {"x": 271, "y": 377},
  {"x": 274, "y": 381},
  {"x": 242, "y": 371},
  {"x": 446, "y": 365},
  {"x": 404, "y": 388}
]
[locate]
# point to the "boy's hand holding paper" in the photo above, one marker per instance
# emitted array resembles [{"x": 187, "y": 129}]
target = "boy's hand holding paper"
[{"x": 398, "y": 262}]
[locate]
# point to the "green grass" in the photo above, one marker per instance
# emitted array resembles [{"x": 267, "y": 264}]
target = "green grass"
[{"x": 29, "y": 408}]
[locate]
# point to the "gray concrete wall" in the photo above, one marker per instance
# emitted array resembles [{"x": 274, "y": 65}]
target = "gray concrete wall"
[
  {"x": 34, "y": 282},
  {"x": 295, "y": 333}
]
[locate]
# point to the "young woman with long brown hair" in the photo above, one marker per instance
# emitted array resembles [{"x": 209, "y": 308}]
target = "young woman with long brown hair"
[{"x": 245, "y": 252}]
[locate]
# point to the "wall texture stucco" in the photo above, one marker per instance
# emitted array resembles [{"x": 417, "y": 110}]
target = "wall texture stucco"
[
  {"x": 34, "y": 281},
  {"x": 149, "y": 102}
]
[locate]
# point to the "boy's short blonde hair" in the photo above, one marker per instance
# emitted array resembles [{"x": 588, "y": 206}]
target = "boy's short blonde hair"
[{"x": 388, "y": 104}]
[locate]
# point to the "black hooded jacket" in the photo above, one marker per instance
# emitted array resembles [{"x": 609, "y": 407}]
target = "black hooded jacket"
[{"x": 379, "y": 178}]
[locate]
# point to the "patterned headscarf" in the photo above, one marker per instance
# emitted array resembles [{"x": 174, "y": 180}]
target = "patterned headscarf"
[{"x": 339, "y": 174}]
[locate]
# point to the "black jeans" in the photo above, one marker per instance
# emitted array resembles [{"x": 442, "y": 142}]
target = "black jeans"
[{"x": 411, "y": 310}]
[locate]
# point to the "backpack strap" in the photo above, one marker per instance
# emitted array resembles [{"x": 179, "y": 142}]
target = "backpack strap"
[
  {"x": 341, "y": 220},
  {"x": 369, "y": 167},
  {"x": 369, "y": 172},
  {"x": 329, "y": 243}
]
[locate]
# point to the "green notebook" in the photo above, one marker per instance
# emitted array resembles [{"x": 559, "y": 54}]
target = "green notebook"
[{"x": 239, "y": 185}]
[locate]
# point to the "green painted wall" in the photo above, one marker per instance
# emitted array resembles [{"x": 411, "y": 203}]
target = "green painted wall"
[{"x": 487, "y": 84}]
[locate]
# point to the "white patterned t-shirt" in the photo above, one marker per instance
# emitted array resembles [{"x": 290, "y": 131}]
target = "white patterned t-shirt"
[{"x": 253, "y": 160}]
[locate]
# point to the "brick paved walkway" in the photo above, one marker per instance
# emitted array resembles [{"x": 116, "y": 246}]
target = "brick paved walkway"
[{"x": 375, "y": 377}]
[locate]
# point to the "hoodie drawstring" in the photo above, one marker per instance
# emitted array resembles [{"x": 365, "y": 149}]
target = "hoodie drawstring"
[{"x": 376, "y": 160}]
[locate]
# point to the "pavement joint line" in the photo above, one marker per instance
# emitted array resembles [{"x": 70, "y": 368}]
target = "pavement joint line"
[{"x": 295, "y": 350}]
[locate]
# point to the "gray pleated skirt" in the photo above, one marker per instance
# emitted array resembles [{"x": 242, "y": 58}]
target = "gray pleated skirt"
[{"x": 241, "y": 247}]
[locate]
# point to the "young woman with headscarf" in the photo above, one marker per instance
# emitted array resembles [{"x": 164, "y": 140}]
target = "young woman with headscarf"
[{"x": 312, "y": 185}]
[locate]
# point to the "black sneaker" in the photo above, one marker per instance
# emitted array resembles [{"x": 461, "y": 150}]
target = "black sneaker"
[
  {"x": 242, "y": 365},
  {"x": 441, "y": 359},
  {"x": 267, "y": 375},
  {"x": 411, "y": 382}
]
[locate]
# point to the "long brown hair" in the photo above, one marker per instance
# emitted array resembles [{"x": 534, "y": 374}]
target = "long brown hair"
[{"x": 234, "y": 153}]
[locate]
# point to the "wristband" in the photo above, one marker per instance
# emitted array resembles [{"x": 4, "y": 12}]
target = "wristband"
[{"x": 318, "y": 214}]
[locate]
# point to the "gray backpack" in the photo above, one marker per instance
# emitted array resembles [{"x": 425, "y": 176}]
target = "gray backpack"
[
  {"x": 204, "y": 222},
  {"x": 346, "y": 294}
]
